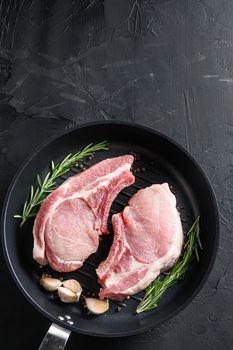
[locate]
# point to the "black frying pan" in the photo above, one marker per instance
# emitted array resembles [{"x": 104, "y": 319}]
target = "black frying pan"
[{"x": 164, "y": 161}]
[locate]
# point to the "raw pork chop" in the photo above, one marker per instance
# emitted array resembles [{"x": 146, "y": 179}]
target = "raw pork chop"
[
  {"x": 148, "y": 239},
  {"x": 67, "y": 227}
]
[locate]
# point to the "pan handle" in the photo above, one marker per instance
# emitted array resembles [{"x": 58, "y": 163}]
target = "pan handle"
[{"x": 55, "y": 339}]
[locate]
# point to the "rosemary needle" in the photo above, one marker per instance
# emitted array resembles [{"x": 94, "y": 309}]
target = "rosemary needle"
[
  {"x": 157, "y": 288},
  {"x": 43, "y": 188}
]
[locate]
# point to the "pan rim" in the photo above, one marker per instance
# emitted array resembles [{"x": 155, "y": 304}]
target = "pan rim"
[{"x": 7, "y": 258}]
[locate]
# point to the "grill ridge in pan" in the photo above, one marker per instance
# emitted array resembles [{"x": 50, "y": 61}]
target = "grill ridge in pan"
[{"x": 164, "y": 161}]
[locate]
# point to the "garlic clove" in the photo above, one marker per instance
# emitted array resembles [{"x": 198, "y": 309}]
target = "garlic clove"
[
  {"x": 96, "y": 306},
  {"x": 74, "y": 286},
  {"x": 50, "y": 284},
  {"x": 67, "y": 296}
]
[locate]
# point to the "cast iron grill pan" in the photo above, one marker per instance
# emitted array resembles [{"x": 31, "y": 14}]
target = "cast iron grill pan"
[{"x": 160, "y": 160}]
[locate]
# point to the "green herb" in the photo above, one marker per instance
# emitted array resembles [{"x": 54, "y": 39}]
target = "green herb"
[
  {"x": 38, "y": 194},
  {"x": 156, "y": 289}
]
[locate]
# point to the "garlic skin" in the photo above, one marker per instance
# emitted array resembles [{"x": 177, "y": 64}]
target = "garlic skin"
[
  {"x": 68, "y": 291},
  {"x": 73, "y": 285},
  {"x": 97, "y": 306},
  {"x": 66, "y": 295},
  {"x": 50, "y": 284}
]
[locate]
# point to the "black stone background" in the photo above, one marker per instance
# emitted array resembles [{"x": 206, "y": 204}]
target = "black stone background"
[{"x": 166, "y": 64}]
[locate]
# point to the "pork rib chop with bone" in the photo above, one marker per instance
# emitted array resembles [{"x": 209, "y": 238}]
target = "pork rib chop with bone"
[
  {"x": 71, "y": 219},
  {"x": 148, "y": 239}
]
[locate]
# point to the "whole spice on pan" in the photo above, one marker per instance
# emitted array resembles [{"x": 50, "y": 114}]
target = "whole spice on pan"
[
  {"x": 157, "y": 288},
  {"x": 38, "y": 194}
]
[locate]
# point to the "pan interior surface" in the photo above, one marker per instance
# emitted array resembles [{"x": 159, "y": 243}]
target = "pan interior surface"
[{"x": 158, "y": 160}]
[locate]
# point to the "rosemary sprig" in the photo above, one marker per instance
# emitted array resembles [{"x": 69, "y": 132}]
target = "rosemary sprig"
[
  {"x": 39, "y": 193},
  {"x": 156, "y": 289}
]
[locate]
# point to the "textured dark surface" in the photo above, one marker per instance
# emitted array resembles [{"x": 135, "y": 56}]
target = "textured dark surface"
[{"x": 166, "y": 64}]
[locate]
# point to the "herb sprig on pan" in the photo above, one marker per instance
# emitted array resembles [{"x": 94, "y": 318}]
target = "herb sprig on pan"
[
  {"x": 43, "y": 188},
  {"x": 157, "y": 288}
]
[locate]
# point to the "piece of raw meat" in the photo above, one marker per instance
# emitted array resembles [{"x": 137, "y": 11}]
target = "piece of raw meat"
[
  {"x": 148, "y": 239},
  {"x": 67, "y": 227}
]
